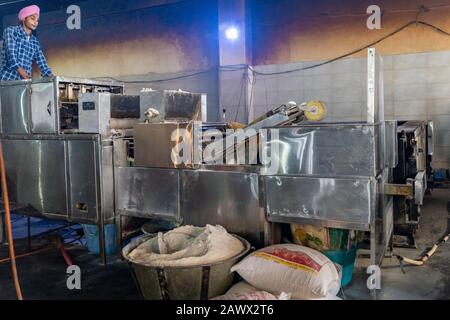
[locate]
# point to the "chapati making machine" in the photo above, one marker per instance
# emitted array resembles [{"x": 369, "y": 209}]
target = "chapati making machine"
[
  {"x": 91, "y": 152},
  {"x": 330, "y": 174},
  {"x": 58, "y": 136}
]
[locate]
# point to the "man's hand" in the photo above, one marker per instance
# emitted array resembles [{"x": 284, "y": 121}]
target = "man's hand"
[{"x": 23, "y": 74}]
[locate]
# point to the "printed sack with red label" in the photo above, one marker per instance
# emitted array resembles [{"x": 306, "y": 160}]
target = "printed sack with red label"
[{"x": 303, "y": 272}]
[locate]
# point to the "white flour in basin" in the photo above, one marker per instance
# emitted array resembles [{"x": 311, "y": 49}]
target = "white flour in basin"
[{"x": 187, "y": 246}]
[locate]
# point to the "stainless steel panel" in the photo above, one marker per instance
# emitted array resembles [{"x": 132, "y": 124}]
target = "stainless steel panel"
[
  {"x": 15, "y": 104},
  {"x": 420, "y": 187},
  {"x": 43, "y": 108},
  {"x": 340, "y": 203},
  {"x": 107, "y": 180},
  {"x": 371, "y": 84},
  {"x": 174, "y": 105},
  {"x": 430, "y": 138},
  {"x": 337, "y": 150},
  {"x": 82, "y": 165},
  {"x": 125, "y": 106},
  {"x": 153, "y": 145},
  {"x": 204, "y": 108},
  {"x": 36, "y": 174},
  {"x": 94, "y": 112},
  {"x": 230, "y": 199},
  {"x": 375, "y": 87},
  {"x": 382, "y": 222},
  {"x": 147, "y": 193},
  {"x": 391, "y": 147},
  {"x": 120, "y": 157},
  {"x": 379, "y": 88},
  {"x": 180, "y": 105}
]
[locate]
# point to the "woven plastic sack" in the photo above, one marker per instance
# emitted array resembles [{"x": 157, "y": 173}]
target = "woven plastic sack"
[
  {"x": 303, "y": 272},
  {"x": 243, "y": 291}
]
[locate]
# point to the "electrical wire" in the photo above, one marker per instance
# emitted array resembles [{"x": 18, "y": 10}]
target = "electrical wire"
[
  {"x": 256, "y": 73},
  {"x": 260, "y": 73},
  {"x": 422, "y": 8},
  {"x": 351, "y": 53},
  {"x": 391, "y": 34},
  {"x": 210, "y": 70},
  {"x": 156, "y": 80}
]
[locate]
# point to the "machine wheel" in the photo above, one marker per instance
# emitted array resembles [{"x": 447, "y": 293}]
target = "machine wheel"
[{"x": 315, "y": 111}]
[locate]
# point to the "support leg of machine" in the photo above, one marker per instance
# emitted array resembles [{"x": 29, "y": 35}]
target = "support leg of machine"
[
  {"x": 102, "y": 243},
  {"x": 29, "y": 233},
  {"x": 373, "y": 293},
  {"x": 119, "y": 236}
]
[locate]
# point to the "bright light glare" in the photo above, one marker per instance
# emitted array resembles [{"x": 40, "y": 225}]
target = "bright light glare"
[{"x": 232, "y": 33}]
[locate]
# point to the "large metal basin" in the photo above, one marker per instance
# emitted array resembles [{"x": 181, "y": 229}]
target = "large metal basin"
[{"x": 200, "y": 282}]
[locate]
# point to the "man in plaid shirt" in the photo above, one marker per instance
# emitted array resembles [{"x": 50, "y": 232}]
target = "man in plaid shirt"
[{"x": 21, "y": 48}]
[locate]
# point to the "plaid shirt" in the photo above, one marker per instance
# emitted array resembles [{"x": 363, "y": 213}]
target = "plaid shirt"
[{"x": 19, "y": 50}]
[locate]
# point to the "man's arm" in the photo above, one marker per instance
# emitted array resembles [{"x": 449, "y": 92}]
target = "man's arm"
[
  {"x": 23, "y": 73},
  {"x": 42, "y": 62},
  {"x": 11, "y": 53}
]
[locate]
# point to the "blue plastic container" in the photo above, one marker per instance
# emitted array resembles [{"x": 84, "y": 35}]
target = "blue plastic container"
[
  {"x": 440, "y": 175},
  {"x": 347, "y": 260},
  {"x": 92, "y": 238}
]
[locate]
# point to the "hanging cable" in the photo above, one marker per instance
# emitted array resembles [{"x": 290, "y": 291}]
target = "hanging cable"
[
  {"x": 259, "y": 73},
  {"x": 391, "y": 34}
]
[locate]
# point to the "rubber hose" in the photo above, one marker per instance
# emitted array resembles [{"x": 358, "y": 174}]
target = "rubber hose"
[
  {"x": 8, "y": 226},
  {"x": 424, "y": 259}
]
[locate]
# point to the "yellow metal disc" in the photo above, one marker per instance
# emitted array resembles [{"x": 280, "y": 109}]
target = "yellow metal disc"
[{"x": 315, "y": 111}]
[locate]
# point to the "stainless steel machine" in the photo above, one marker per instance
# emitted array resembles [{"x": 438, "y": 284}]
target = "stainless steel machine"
[
  {"x": 200, "y": 190},
  {"x": 410, "y": 183},
  {"x": 335, "y": 174},
  {"x": 91, "y": 152},
  {"x": 332, "y": 174},
  {"x": 59, "y": 161}
]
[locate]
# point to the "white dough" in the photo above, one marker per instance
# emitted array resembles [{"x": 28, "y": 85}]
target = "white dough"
[{"x": 187, "y": 246}]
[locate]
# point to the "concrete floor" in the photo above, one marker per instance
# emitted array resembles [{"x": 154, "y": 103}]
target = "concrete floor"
[
  {"x": 428, "y": 282},
  {"x": 43, "y": 276}
]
